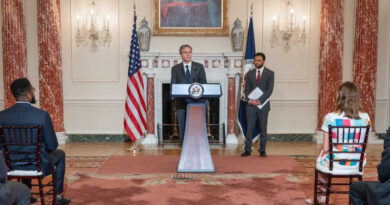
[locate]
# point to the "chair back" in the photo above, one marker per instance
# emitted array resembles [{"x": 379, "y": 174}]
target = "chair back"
[
  {"x": 347, "y": 144},
  {"x": 22, "y": 147}
]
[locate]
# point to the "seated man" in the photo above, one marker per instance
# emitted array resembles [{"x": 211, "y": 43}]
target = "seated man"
[
  {"x": 371, "y": 192},
  {"x": 23, "y": 113},
  {"x": 12, "y": 192}
]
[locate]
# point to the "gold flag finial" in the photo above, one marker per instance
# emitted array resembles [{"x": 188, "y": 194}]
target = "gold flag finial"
[
  {"x": 134, "y": 8},
  {"x": 252, "y": 9}
]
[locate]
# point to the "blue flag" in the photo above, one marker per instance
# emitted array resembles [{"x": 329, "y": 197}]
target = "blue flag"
[
  {"x": 249, "y": 57},
  {"x": 250, "y": 47}
]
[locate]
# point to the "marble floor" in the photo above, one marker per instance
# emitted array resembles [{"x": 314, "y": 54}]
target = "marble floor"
[{"x": 273, "y": 148}]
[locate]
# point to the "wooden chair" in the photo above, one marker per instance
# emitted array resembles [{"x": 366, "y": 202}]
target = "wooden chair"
[
  {"x": 352, "y": 137},
  {"x": 22, "y": 149}
]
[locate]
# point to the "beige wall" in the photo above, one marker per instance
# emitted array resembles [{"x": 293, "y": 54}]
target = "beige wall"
[
  {"x": 383, "y": 75},
  {"x": 94, "y": 104}
]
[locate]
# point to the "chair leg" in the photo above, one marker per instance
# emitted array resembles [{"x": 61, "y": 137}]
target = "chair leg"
[
  {"x": 328, "y": 187},
  {"x": 41, "y": 191},
  {"x": 315, "y": 201},
  {"x": 349, "y": 198},
  {"x": 53, "y": 175}
]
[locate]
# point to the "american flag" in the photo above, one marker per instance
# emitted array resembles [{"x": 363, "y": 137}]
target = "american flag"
[{"x": 135, "y": 115}]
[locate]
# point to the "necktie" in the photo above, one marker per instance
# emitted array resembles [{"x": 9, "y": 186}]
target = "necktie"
[
  {"x": 188, "y": 74},
  {"x": 258, "y": 76}
]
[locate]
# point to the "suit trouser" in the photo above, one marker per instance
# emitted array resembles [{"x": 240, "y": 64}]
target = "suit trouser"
[
  {"x": 358, "y": 192},
  {"x": 14, "y": 193},
  {"x": 58, "y": 158},
  {"x": 256, "y": 116},
  {"x": 181, "y": 121}
]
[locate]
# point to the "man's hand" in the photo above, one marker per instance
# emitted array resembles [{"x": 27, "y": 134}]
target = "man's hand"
[{"x": 254, "y": 102}]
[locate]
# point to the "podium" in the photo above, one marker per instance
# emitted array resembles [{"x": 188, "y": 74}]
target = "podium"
[{"x": 195, "y": 154}]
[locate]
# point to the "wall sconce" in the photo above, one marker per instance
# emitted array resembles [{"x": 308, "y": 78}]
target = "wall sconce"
[
  {"x": 90, "y": 32},
  {"x": 285, "y": 29}
]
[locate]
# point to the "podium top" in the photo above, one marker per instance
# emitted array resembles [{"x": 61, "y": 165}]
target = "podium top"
[{"x": 211, "y": 90}]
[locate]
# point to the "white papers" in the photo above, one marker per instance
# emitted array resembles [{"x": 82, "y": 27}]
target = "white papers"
[
  {"x": 262, "y": 105},
  {"x": 256, "y": 94}
]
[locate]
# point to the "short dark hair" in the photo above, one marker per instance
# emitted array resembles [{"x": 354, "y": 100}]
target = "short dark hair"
[
  {"x": 184, "y": 46},
  {"x": 20, "y": 87},
  {"x": 260, "y": 54}
]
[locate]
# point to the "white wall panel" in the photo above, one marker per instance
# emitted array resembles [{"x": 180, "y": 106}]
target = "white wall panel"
[
  {"x": 101, "y": 65},
  {"x": 381, "y": 117},
  {"x": 291, "y": 63},
  {"x": 94, "y": 116},
  {"x": 95, "y": 83},
  {"x": 293, "y": 116}
]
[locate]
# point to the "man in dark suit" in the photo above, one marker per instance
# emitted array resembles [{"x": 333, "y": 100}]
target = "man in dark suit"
[
  {"x": 262, "y": 78},
  {"x": 12, "y": 192},
  {"x": 186, "y": 72},
  {"x": 371, "y": 192},
  {"x": 23, "y": 113}
]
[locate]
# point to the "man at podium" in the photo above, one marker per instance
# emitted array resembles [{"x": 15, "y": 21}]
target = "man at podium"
[{"x": 186, "y": 72}]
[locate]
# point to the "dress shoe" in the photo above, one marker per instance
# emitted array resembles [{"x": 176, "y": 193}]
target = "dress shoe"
[
  {"x": 263, "y": 154},
  {"x": 63, "y": 201},
  {"x": 33, "y": 200},
  {"x": 321, "y": 200},
  {"x": 245, "y": 153}
]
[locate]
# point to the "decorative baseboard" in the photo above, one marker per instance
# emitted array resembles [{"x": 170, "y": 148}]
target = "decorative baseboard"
[
  {"x": 98, "y": 138},
  {"x": 125, "y": 138},
  {"x": 231, "y": 141},
  {"x": 290, "y": 137},
  {"x": 62, "y": 138},
  {"x": 381, "y": 135},
  {"x": 150, "y": 141},
  {"x": 375, "y": 138}
]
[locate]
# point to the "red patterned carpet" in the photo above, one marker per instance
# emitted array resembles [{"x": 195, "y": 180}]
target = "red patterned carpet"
[
  {"x": 222, "y": 164},
  {"x": 226, "y": 189},
  {"x": 252, "y": 180}
]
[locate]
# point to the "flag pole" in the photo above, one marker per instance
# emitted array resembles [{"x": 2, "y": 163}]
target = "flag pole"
[
  {"x": 240, "y": 101},
  {"x": 135, "y": 13},
  {"x": 135, "y": 146},
  {"x": 252, "y": 9}
]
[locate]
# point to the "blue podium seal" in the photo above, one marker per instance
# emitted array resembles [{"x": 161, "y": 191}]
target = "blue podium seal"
[{"x": 196, "y": 91}]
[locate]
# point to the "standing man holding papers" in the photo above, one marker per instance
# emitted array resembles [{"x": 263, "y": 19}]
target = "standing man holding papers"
[{"x": 258, "y": 89}]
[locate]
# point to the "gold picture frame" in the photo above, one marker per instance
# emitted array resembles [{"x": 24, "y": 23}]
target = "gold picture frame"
[{"x": 174, "y": 18}]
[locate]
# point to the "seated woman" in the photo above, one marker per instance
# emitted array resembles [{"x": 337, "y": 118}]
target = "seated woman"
[{"x": 348, "y": 113}]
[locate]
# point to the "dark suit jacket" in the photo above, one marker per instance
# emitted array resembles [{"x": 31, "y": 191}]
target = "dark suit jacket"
[
  {"x": 3, "y": 170},
  {"x": 266, "y": 85},
  {"x": 178, "y": 76},
  {"x": 27, "y": 115},
  {"x": 379, "y": 193}
]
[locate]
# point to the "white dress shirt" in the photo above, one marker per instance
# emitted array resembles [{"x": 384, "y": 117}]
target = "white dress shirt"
[
  {"x": 261, "y": 71},
  {"x": 189, "y": 67}
]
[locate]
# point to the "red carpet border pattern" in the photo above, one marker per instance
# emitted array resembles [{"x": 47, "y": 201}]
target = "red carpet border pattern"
[{"x": 85, "y": 185}]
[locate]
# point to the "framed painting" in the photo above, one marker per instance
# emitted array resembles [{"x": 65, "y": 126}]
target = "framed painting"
[{"x": 191, "y": 18}]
